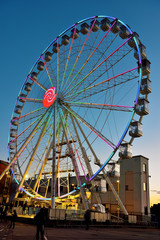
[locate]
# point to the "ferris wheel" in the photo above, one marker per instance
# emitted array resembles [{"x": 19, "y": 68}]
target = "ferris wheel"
[{"x": 81, "y": 104}]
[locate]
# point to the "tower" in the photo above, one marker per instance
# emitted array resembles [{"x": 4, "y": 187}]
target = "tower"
[{"x": 134, "y": 185}]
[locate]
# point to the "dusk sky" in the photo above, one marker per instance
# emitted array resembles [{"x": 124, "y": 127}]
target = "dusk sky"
[{"x": 28, "y": 27}]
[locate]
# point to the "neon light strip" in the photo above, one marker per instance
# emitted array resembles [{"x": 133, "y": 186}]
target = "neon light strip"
[
  {"x": 81, "y": 49},
  {"x": 31, "y": 195},
  {"x": 68, "y": 56},
  {"x": 100, "y": 169},
  {"x": 98, "y": 104},
  {"x": 140, "y": 70},
  {"x": 40, "y": 85},
  {"x": 57, "y": 65},
  {"x": 75, "y": 149},
  {"x": 104, "y": 81},
  {"x": 63, "y": 33},
  {"x": 101, "y": 63},
  {"x": 125, "y": 131},
  {"x": 47, "y": 70},
  {"x": 92, "y": 53},
  {"x": 140, "y": 76},
  {"x": 125, "y": 26},
  {"x": 113, "y": 18},
  {"x": 63, "y": 196},
  {"x": 88, "y": 126},
  {"x": 26, "y": 114}
]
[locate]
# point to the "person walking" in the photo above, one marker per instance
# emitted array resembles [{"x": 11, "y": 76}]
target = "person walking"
[
  {"x": 87, "y": 217},
  {"x": 13, "y": 219},
  {"x": 40, "y": 222}
]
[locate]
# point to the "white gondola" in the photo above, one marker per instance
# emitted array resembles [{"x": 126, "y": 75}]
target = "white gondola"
[
  {"x": 124, "y": 33},
  {"x": 145, "y": 86},
  {"x": 74, "y": 33},
  {"x": 142, "y": 107},
  {"x": 135, "y": 129},
  {"x": 34, "y": 75},
  {"x": 12, "y": 146},
  {"x": 13, "y": 133},
  {"x": 131, "y": 42},
  {"x": 28, "y": 87},
  {"x": 65, "y": 40},
  {"x": 105, "y": 24},
  {"x": 55, "y": 47},
  {"x": 142, "y": 49},
  {"x": 14, "y": 121},
  {"x": 125, "y": 150},
  {"x": 48, "y": 56},
  {"x": 22, "y": 97},
  {"x": 84, "y": 28},
  {"x": 18, "y": 109},
  {"x": 95, "y": 27},
  {"x": 40, "y": 66},
  {"x": 145, "y": 67},
  {"x": 116, "y": 28}
]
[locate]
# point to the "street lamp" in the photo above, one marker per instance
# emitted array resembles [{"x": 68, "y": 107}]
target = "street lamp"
[{"x": 118, "y": 181}]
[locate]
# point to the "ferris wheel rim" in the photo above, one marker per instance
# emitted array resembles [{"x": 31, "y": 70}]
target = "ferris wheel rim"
[{"x": 135, "y": 102}]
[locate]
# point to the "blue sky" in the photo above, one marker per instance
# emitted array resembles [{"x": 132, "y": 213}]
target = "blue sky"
[{"x": 27, "y": 28}]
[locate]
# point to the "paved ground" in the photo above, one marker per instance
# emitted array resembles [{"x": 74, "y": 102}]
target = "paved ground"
[{"x": 28, "y": 232}]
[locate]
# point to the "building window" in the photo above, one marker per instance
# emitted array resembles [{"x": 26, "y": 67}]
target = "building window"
[
  {"x": 126, "y": 187},
  {"x": 146, "y": 210},
  {"x": 145, "y": 186},
  {"x": 144, "y": 167}
]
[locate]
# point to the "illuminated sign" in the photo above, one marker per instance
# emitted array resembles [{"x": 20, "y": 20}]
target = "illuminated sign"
[{"x": 49, "y": 97}]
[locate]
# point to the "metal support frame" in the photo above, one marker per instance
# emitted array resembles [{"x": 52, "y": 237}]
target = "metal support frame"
[
  {"x": 104, "y": 173},
  {"x": 53, "y": 162},
  {"x": 33, "y": 154},
  {"x": 76, "y": 169}
]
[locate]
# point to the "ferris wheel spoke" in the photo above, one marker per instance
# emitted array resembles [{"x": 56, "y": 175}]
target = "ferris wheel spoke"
[
  {"x": 46, "y": 155},
  {"x": 47, "y": 71},
  {"x": 92, "y": 54},
  {"x": 99, "y": 87},
  {"x": 19, "y": 152},
  {"x": 75, "y": 148},
  {"x": 103, "y": 53},
  {"x": 39, "y": 84},
  {"x": 57, "y": 65},
  {"x": 31, "y": 100},
  {"x": 111, "y": 63},
  {"x": 93, "y": 129},
  {"x": 28, "y": 114},
  {"x": 93, "y": 70},
  {"x": 34, "y": 152},
  {"x": 101, "y": 106},
  {"x": 76, "y": 168},
  {"x": 81, "y": 50},
  {"x": 89, "y": 169},
  {"x": 47, "y": 151},
  {"x": 25, "y": 129},
  {"x": 64, "y": 74}
]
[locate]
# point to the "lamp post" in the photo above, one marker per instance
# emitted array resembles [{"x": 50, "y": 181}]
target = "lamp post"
[{"x": 118, "y": 181}]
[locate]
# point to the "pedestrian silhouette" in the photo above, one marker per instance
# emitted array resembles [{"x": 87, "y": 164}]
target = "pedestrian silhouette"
[
  {"x": 13, "y": 219},
  {"x": 40, "y": 221},
  {"x": 87, "y": 217}
]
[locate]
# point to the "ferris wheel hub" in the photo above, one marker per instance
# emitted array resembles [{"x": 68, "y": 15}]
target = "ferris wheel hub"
[{"x": 49, "y": 97}]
